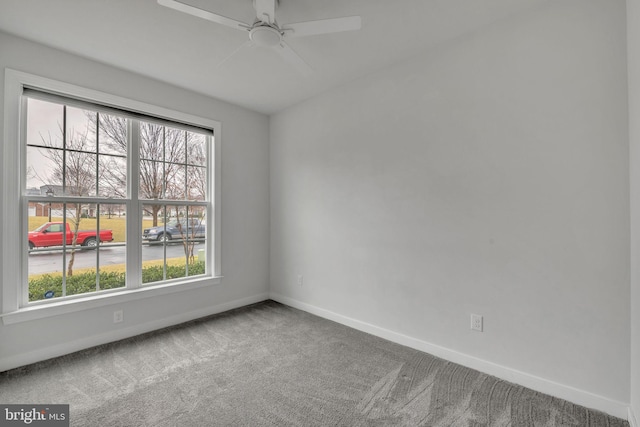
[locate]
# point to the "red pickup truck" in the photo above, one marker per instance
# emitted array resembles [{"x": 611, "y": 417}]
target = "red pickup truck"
[{"x": 51, "y": 234}]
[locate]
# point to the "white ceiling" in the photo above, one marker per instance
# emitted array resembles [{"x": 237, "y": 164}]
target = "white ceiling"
[{"x": 144, "y": 37}]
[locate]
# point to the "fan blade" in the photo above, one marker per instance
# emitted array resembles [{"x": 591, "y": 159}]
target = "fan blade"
[
  {"x": 265, "y": 10},
  {"x": 293, "y": 58},
  {"x": 242, "y": 46},
  {"x": 204, "y": 14},
  {"x": 323, "y": 26}
]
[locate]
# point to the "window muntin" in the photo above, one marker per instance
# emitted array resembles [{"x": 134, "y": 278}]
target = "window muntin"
[{"x": 79, "y": 158}]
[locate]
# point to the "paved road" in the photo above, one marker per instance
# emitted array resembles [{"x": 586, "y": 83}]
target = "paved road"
[{"x": 50, "y": 261}]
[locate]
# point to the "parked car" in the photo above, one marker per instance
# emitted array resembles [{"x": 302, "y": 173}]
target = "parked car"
[
  {"x": 176, "y": 229},
  {"x": 53, "y": 234}
]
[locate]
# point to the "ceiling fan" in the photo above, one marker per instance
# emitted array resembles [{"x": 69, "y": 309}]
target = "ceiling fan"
[{"x": 265, "y": 30}]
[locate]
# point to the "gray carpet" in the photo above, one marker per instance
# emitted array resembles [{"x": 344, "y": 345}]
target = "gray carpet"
[{"x": 272, "y": 365}]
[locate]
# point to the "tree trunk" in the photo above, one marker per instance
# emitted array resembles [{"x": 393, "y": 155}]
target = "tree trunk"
[
  {"x": 74, "y": 241},
  {"x": 154, "y": 212}
]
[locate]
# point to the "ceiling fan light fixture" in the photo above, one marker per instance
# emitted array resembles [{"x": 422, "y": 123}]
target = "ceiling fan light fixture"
[{"x": 266, "y": 36}]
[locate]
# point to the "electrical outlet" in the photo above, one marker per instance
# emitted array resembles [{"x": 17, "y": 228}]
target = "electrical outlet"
[
  {"x": 476, "y": 322},
  {"x": 300, "y": 280},
  {"x": 118, "y": 316}
]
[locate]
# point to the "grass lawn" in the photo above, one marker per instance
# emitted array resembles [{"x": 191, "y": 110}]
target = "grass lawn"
[{"x": 115, "y": 224}]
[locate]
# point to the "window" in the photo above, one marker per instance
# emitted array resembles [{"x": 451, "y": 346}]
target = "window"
[{"x": 115, "y": 196}]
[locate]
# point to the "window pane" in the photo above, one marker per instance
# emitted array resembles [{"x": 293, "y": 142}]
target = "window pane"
[
  {"x": 80, "y": 174},
  {"x": 151, "y": 179},
  {"x": 112, "y": 176},
  {"x": 113, "y": 134},
  {"x": 79, "y": 159},
  {"x": 81, "y": 129},
  {"x": 176, "y": 182},
  {"x": 44, "y": 123},
  {"x": 151, "y": 142},
  {"x": 196, "y": 183},
  {"x": 45, "y": 261},
  {"x": 196, "y": 147},
  {"x": 112, "y": 256},
  {"x": 44, "y": 170},
  {"x": 82, "y": 261},
  {"x": 196, "y": 241},
  {"x": 154, "y": 249},
  {"x": 175, "y": 146}
]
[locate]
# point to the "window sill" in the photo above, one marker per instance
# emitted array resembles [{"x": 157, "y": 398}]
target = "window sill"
[{"x": 71, "y": 306}]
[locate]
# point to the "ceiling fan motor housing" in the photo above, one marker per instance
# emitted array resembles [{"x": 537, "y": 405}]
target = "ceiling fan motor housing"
[{"x": 265, "y": 35}]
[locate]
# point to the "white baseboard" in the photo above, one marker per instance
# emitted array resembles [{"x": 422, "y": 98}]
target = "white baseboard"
[
  {"x": 571, "y": 394},
  {"x": 633, "y": 421},
  {"x": 111, "y": 336}
]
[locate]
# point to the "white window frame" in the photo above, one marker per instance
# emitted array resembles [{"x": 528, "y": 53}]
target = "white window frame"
[{"x": 14, "y": 227}]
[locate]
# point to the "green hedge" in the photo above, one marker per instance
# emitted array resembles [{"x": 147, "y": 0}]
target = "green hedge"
[
  {"x": 86, "y": 282},
  {"x": 154, "y": 274}
]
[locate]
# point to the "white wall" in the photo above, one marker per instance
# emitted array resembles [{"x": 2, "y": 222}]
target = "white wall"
[
  {"x": 633, "y": 48},
  {"x": 490, "y": 177},
  {"x": 245, "y": 209}
]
